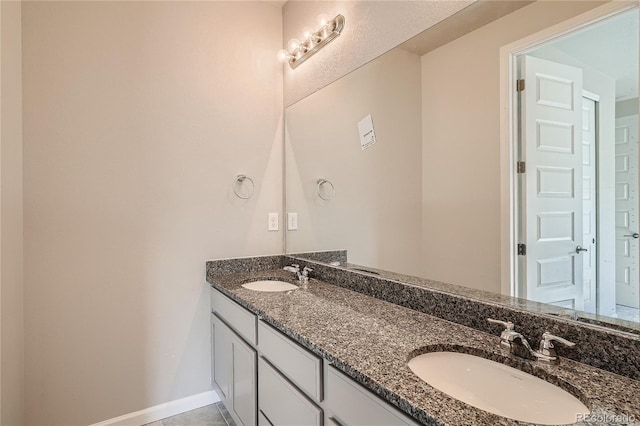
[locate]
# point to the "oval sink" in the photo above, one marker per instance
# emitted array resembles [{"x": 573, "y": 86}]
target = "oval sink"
[
  {"x": 497, "y": 388},
  {"x": 269, "y": 285}
]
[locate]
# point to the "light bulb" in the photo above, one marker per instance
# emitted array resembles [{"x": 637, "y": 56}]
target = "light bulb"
[
  {"x": 305, "y": 46},
  {"x": 293, "y": 44},
  {"x": 283, "y": 55},
  {"x": 307, "y": 32},
  {"x": 323, "y": 19}
]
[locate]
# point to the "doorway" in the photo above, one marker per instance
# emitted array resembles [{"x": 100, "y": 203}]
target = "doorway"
[{"x": 575, "y": 203}]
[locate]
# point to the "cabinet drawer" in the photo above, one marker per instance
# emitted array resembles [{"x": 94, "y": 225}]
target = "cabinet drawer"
[
  {"x": 353, "y": 405},
  {"x": 241, "y": 320},
  {"x": 299, "y": 365},
  {"x": 281, "y": 403}
]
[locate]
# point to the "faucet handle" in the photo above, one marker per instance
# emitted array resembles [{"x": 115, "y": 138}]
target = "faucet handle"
[
  {"x": 292, "y": 268},
  {"x": 508, "y": 325},
  {"x": 548, "y": 339},
  {"x": 547, "y": 352},
  {"x": 306, "y": 271}
]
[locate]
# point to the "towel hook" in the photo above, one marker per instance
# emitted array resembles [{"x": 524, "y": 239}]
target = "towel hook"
[
  {"x": 238, "y": 183},
  {"x": 321, "y": 193}
]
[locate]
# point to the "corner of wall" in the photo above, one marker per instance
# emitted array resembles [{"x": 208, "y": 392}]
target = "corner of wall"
[{"x": 11, "y": 218}]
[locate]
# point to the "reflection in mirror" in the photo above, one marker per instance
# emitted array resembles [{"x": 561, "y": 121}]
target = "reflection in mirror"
[
  {"x": 422, "y": 198},
  {"x": 579, "y": 200}
]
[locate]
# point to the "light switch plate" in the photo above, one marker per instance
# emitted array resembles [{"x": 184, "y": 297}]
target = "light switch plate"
[
  {"x": 292, "y": 221},
  {"x": 273, "y": 222}
]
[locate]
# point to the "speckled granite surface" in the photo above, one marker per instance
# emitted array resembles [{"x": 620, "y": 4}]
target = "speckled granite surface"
[
  {"x": 608, "y": 349},
  {"x": 371, "y": 341},
  {"x": 220, "y": 267},
  {"x": 328, "y": 256},
  {"x": 482, "y": 295}
]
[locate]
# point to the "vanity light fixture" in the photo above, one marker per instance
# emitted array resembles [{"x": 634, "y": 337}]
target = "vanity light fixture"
[{"x": 299, "y": 51}]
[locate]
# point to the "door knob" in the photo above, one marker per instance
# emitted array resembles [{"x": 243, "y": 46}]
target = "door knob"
[
  {"x": 634, "y": 235},
  {"x": 580, "y": 249}
]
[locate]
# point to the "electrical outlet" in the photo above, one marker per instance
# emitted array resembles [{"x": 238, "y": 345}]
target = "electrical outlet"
[
  {"x": 273, "y": 222},
  {"x": 292, "y": 221}
]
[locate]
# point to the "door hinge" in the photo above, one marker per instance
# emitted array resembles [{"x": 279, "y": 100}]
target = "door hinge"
[
  {"x": 522, "y": 249},
  {"x": 519, "y": 85},
  {"x": 520, "y": 167}
]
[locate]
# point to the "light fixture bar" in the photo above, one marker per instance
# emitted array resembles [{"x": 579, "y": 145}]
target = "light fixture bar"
[{"x": 315, "y": 42}]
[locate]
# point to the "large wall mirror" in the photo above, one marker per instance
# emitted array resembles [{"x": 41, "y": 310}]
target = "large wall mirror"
[{"x": 398, "y": 167}]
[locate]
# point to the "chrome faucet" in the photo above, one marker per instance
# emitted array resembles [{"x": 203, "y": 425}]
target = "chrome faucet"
[
  {"x": 303, "y": 276},
  {"x": 548, "y": 350},
  {"x": 511, "y": 339},
  {"x": 514, "y": 341}
]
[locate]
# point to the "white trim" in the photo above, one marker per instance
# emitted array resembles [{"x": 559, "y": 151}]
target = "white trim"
[
  {"x": 508, "y": 128},
  {"x": 163, "y": 411},
  {"x": 590, "y": 95},
  {"x": 1, "y": 215}
]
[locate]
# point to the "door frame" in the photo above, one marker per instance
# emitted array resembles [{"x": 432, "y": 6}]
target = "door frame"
[
  {"x": 509, "y": 138},
  {"x": 586, "y": 94}
]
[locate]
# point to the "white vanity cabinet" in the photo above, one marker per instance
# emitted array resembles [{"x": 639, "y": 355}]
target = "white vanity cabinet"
[
  {"x": 234, "y": 361},
  {"x": 289, "y": 381},
  {"x": 349, "y": 404},
  {"x": 265, "y": 378},
  {"x": 281, "y": 403},
  {"x": 221, "y": 358},
  {"x": 234, "y": 373},
  {"x": 242, "y": 321},
  {"x": 300, "y": 366}
]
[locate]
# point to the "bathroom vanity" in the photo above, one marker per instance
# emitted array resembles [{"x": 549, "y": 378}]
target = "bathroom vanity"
[
  {"x": 295, "y": 386},
  {"x": 329, "y": 355}
]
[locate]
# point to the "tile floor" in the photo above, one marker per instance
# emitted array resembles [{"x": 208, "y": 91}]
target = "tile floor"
[
  {"x": 210, "y": 415},
  {"x": 628, "y": 313}
]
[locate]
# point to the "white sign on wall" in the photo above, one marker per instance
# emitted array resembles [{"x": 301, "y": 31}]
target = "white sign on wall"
[{"x": 367, "y": 133}]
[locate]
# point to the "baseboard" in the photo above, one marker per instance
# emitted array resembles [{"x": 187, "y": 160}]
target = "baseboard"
[{"x": 163, "y": 411}]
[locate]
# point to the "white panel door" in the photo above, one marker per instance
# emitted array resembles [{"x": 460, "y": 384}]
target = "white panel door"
[
  {"x": 551, "y": 125},
  {"x": 589, "y": 206},
  {"x": 627, "y": 211}
]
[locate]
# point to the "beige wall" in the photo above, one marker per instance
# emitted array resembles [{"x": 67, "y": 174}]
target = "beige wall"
[
  {"x": 461, "y": 146},
  {"x": 11, "y": 278},
  {"x": 372, "y": 28},
  {"x": 627, "y": 107},
  {"x": 137, "y": 118},
  {"x": 375, "y": 213}
]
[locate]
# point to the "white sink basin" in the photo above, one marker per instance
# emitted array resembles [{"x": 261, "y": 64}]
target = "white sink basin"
[
  {"x": 497, "y": 388},
  {"x": 269, "y": 285}
]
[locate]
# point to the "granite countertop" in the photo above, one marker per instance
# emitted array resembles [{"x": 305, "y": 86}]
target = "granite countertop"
[
  {"x": 490, "y": 297},
  {"x": 371, "y": 341}
]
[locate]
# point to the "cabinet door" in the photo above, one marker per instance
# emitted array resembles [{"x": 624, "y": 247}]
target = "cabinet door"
[
  {"x": 221, "y": 358},
  {"x": 244, "y": 388}
]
